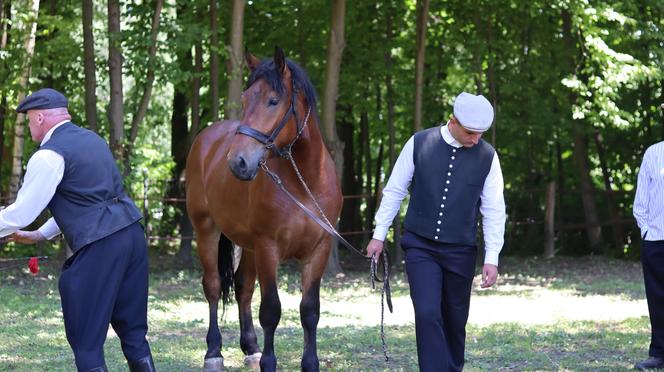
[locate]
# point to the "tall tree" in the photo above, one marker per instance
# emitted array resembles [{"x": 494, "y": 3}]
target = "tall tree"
[
  {"x": 115, "y": 106},
  {"x": 593, "y": 227},
  {"x": 214, "y": 62},
  {"x": 335, "y": 47},
  {"x": 235, "y": 63},
  {"x": 89, "y": 66},
  {"x": 30, "y": 29},
  {"x": 422, "y": 20},
  {"x": 147, "y": 88},
  {"x": 5, "y": 13}
]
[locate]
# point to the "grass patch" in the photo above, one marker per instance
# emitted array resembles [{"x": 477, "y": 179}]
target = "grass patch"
[{"x": 540, "y": 317}]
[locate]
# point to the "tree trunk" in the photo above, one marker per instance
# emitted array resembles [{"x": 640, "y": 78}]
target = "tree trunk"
[
  {"x": 350, "y": 212},
  {"x": 235, "y": 63},
  {"x": 196, "y": 92},
  {"x": 115, "y": 108},
  {"x": 422, "y": 20},
  {"x": 491, "y": 77},
  {"x": 335, "y": 47},
  {"x": 367, "y": 162},
  {"x": 214, "y": 62},
  {"x": 89, "y": 66},
  {"x": 616, "y": 226},
  {"x": 549, "y": 218},
  {"x": 181, "y": 138},
  {"x": 19, "y": 128},
  {"x": 593, "y": 228},
  {"x": 147, "y": 89},
  {"x": 389, "y": 103},
  {"x": 5, "y": 14}
]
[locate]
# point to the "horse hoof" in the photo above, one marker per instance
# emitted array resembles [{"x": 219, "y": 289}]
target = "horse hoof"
[
  {"x": 213, "y": 365},
  {"x": 253, "y": 361}
]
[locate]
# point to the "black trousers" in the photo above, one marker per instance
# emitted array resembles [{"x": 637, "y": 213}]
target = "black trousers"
[
  {"x": 652, "y": 258},
  {"x": 107, "y": 282},
  {"x": 440, "y": 276}
]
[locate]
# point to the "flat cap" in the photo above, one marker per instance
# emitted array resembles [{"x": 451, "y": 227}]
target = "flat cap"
[
  {"x": 474, "y": 113},
  {"x": 42, "y": 99}
]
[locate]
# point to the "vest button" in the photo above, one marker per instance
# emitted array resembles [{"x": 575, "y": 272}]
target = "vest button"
[
  {"x": 452, "y": 157},
  {"x": 444, "y": 197},
  {"x": 453, "y": 150},
  {"x": 445, "y": 189},
  {"x": 436, "y": 237},
  {"x": 437, "y": 230},
  {"x": 439, "y": 222},
  {"x": 447, "y": 182},
  {"x": 449, "y": 173},
  {"x": 440, "y": 214}
]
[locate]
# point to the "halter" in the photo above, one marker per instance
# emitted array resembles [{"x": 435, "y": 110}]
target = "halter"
[{"x": 268, "y": 140}]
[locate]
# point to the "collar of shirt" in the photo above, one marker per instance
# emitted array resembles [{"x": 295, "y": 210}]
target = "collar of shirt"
[
  {"x": 50, "y": 132},
  {"x": 447, "y": 136}
]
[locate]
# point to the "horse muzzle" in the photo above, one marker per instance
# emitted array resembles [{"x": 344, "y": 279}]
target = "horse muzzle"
[{"x": 245, "y": 164}]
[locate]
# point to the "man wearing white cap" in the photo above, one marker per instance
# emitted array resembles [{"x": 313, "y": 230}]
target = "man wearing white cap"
[{"x": 454, "y": 176}]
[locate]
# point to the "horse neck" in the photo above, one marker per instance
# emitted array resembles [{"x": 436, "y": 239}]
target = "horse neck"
[{"x": 309, "y": 151}]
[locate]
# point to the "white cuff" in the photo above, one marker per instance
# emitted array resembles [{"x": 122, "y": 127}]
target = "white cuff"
[{"x": 491, "y": 257}]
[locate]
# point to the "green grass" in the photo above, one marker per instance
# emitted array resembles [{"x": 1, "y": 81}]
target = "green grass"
[{"x": 540, "y": 318}]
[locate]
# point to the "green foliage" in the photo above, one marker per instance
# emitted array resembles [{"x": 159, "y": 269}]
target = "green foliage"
[{"x": 608, "y": 81}]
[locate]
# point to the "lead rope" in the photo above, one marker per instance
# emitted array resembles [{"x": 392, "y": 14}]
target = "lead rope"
[{"x": 386, "y": 285}]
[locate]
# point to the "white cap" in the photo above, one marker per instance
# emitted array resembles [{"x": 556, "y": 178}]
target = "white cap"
[{"x": 473, "y": 112}]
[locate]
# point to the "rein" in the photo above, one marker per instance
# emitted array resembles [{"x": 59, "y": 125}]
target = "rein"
[{"x": 324, "y": 223}]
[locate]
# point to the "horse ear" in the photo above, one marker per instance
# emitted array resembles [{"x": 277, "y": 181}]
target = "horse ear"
[
  {"x": 279, "y": 60},
  {"x": 252, "y": 62}
]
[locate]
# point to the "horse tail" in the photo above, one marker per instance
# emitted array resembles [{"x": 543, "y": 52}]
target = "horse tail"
[{"x": 225, "y": 267}]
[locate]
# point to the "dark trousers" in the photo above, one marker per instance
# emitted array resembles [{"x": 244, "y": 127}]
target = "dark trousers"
[
  {"x": 652, "y": 257},
  {"x": 440, "y": 276},
  {"x": 107, "y": 282}
]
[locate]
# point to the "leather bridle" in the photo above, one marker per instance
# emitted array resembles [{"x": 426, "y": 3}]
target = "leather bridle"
[{"x": 268, "y": 140}]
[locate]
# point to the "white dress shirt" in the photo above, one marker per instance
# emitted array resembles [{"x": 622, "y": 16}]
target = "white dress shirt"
[
  {"x": 649, "y": 199},
  {"x": 42, "y": 177},
  {"x": 492, "y": 206}
]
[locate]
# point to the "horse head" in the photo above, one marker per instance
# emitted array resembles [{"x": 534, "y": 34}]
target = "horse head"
[{"x": 269, "y": 104}]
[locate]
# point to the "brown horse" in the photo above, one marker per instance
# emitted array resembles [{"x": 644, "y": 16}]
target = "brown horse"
[{"x": 230, "y": 201}]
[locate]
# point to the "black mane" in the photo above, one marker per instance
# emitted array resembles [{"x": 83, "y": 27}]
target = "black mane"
[{"x": 266, "y": 70}]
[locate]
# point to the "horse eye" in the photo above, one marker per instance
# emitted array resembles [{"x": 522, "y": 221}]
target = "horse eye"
[{"x": 273, "y": 102}]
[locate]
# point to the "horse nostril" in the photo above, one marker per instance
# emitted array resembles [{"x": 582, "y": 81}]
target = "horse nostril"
[{"x": 242, "y": 164}]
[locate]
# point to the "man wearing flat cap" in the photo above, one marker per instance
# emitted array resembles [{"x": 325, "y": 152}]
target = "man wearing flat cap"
[
  {"x": 106, "y": 279},
  {"x": 453, "y": 176}
]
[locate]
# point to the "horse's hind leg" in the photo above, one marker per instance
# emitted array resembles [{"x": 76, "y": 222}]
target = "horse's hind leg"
[
  {"x": 207, "y": 239},
  {"x": 245, "y": 282},
  {"x": 312, "y": 272}
]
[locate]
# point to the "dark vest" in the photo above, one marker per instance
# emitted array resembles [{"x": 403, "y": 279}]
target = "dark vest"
[
  {"x": 89, "y": 203},
  {"x": 446, "y": 187}
]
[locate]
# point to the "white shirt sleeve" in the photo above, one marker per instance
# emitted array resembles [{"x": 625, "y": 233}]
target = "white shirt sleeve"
[
  {"x": 492, "y": 208},
  {"x": 42, "y": 177},
  {"x": 640, "y": 209},
  {"x": 395, "y": 190}
]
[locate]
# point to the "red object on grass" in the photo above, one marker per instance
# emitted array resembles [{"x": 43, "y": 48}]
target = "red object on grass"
[{"x": 33, "y": 265}]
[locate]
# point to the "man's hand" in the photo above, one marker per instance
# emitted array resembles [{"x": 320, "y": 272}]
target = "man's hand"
[
  {"x": 489, "y": 275},
  {"x": 27, "y": 237},
  {"x": 374, "y": 249}
]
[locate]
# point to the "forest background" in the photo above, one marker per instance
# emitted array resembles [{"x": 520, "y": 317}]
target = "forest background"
[{"x": 576, "y": 85}]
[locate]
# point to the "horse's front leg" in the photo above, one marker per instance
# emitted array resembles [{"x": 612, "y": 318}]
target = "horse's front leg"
[
  {"x": 207, "y": 247},
  {"x": 312, "y": 272},
  {"x": 245, "y": 281},
  {"x": 269, "y": 315}
]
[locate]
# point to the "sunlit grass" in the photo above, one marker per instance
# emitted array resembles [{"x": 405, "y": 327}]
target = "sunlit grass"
[{"x": 544, "y": 315}]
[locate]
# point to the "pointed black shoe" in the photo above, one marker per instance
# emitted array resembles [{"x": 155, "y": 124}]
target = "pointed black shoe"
[
  {"x": 650, "y": 363},
  {"x": 142, "y": 365}
]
